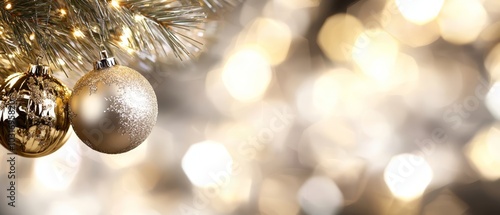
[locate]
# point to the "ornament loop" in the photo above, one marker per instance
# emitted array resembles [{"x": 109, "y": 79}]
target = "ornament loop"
[
  {"x": 105, "y": 62},
  {"x": 39, "y": 70}
]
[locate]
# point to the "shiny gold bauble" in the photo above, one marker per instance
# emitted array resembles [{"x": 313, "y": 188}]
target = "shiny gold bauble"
[
  {"x": 34, "y": 113},
  {"x": 113, "y": 108}
]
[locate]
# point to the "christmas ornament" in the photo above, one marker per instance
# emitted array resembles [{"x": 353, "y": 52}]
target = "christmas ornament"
[
  {"x": 34, "y": 113},
  {"x": 113, "y": 108}
]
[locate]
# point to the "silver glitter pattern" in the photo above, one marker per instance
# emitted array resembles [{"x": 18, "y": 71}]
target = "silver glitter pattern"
[{"x": 127, "y": 95}]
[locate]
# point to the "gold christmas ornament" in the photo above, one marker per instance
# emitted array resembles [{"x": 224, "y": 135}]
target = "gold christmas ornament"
[
  {"x": 113, "y": 108},
  {"x": 34, "y": 113}
]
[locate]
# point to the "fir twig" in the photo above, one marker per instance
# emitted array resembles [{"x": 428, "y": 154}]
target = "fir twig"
[{"x": 70, "y": 33}]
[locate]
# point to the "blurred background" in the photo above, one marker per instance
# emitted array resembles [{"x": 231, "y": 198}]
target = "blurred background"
[{"x": 304, "y": 107}]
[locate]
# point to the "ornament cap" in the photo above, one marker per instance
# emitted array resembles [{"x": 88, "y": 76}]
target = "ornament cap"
[
  {"x": 105, "y": 62},
  {"x": 39, "y": 70}
]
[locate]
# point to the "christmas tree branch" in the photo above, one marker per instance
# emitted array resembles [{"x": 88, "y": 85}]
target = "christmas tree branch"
[
  {"x": 216, "y": 6},
  {"x": 70, "y": 33},
  {"x": 169, "y": 24}
]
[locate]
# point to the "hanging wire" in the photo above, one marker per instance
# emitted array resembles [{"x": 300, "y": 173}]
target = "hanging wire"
[
  {"x": 101, "y": 23},
  {"x": 39, "y": 57}
]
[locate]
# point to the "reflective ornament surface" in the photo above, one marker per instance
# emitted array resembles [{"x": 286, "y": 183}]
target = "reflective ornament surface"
[
  {"x": 113, "y": 108},
  {"x": 34, "y": 113}
]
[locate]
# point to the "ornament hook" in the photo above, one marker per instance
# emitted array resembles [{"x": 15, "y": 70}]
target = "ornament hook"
[
  {"x": 105, "y": 62},
  {"x": 38, "y": 59}
]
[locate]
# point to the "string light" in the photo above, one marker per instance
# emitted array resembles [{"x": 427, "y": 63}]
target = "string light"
[
  {"x": 61, "y": 62},
  {"x": 407, "y": 176},
  {"x": 138, "y": 17},
  {"x": 420, "y": 12},
  {"x": 78, "y": 33},
  {"x": 115, "y": 3},
  {"x": 124, "y": 40},
  {"x": 32, "y": 36},
  {"x": 63, "y": 12},
  {"x": 8, "y": 6}
]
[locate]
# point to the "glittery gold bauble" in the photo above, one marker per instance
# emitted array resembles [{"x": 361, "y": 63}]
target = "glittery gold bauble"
[
  {"x": 113, "y": 108},
  {"x": 34, "y": 113}
]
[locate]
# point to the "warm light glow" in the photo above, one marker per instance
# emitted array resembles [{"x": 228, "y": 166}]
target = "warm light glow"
[
  {"x": 115, "y": 3},
  {"x": 376, "y": 55},
  {"x": 8, "y": 6},
  {"x": 247, "y": 74},
  {"x": 420, "y": 11},
  {"x": 403, "y": 75},
  {"x": 58, "y": 170},
  {"x": 338, "y": 36},
  {"x": 326, "y": 93},
  {"x": 60, "y": 208},
  {"x": 126, "y": 32},
  {"x": 92, "y": 106},
  {"x": 206, "y": 162},
  {"x": 231, "y": 194},
  {"x": 124, "y": 38},
  {"x": 407, "y": 176},
  {"x": 78, "y": 33},
  {"x": 492, "y": 63},
  {"x": 492, "y": 100},
  {"x": 63, "y": 12},
  {"x": 320, "y": 195},
  {"x": 461, "y": 21},
  {"x": 347, "y": 95},
  {"x": 484, "y": 152},
  {"x": 408, "y": 32},
  {"x": 297, "y": 4},
  {"x": 128, "y": 159},
  {"x": 273, "y": 37},
  {"x": 61, "y": 62},
  {"x": 32, "y": 36},
  {"x": 141, "y": 180},
  {"x": 138, "y": 17}
]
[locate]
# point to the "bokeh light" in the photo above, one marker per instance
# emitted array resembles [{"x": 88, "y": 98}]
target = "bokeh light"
[
  {"x": 484, "y": 152},
  {"x": 247, "y": 74},
  {"x": 134, "y": 157},
  {"x": 320, "y": 195},
  {"x": 461, "y": 21},
  {"x": 407, "y": 32},
  {"x": 337, "y": 36},
  {"x": 326, "y": 93},
  {"x": 492, "y": 100},
  {"x": 407, "y": 176},
  {"x": 492, "y": 63},
  {"x": 420, "y": 12},
  {"x": 273, "y": 37},
  {"x": 58, "y": 170},
  {"x": 294, "y": 107},
  {"x": 332, "y": 93},
  {"x": 295, "y": 4},
  {"x": 205, "y": 162},
  {"x": 375, "y": 54}
]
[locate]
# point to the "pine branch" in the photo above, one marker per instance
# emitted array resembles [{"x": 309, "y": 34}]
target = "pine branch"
[
  {"x": 170, "y": 24},
  {"x": 70, "y": 33},
  {"x": 217, "y": 7}
]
